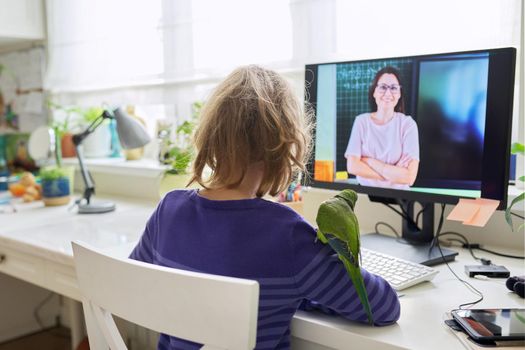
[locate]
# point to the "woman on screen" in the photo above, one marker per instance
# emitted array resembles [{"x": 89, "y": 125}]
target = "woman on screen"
[{"x": 383, "y": 149}]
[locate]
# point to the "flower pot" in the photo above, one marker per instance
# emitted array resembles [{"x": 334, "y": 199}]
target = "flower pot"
[
  {"x": 55, "y": 191},
  {"x": 70, "y": 170},
  {"x": 68, "y": 147}
]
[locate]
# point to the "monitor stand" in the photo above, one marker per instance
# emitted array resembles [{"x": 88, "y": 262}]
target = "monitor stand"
[
  {"x": 420, "y": 253},
  {"x": 416, "y": 244}
]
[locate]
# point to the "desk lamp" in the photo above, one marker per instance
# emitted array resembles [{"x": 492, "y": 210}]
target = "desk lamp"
[{"x": 131, "y": 135}]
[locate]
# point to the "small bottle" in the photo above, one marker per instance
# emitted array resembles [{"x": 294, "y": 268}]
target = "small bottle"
[{"x": 4, "y": 174}]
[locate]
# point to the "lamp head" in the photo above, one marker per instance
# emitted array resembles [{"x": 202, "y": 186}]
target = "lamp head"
[{"x": 130, "y": 132}]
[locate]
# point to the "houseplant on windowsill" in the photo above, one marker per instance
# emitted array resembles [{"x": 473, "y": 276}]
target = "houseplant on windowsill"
[
  {"x": 517, "y": 148},
  {"x": 64, "y": 125},
  {"x": 179, "y": 155},
  {"x": 56, "y": 180}
]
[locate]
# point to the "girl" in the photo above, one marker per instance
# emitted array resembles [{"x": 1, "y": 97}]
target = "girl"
[{"x": 254, "y": 136}]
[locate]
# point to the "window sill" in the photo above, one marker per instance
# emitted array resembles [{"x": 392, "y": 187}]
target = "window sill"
[{"x": 148, "y": 168}]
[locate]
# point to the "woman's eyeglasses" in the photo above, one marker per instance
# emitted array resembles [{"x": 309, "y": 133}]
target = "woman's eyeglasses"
[{"x": 394, "y": 88}]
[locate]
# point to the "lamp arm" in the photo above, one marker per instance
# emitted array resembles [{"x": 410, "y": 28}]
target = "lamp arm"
[
  {"x": 78, "y": 138},
  {"x": 89, "y": 186}
]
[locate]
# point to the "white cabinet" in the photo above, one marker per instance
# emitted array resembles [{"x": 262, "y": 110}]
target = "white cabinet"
[{"x": 21, "y": 21}]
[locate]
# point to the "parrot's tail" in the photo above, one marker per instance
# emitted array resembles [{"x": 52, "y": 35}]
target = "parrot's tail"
[{"x": 359, "y": 284}]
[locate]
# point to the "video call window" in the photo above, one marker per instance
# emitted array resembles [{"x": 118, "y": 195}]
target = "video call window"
[{"x": 437, "y": 110}]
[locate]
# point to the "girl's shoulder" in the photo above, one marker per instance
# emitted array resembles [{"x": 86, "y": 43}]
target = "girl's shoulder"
[
  {"x": 282, "y": 209},
  {"x": 177, "y": 195}
]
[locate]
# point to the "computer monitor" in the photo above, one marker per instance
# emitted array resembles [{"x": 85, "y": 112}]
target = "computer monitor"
[{"x": 427, "y": 129}]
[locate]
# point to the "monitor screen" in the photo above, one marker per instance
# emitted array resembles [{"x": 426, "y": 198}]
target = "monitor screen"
[{"x": 430, "y": 128}]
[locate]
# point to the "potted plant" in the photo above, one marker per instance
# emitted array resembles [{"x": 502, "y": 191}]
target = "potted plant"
[
  {"x": 517, "y": 148},
  {"x": 63, "y": 127},
  {"x": 56, "y": 180},
  {"x": 179, "y": 155}
]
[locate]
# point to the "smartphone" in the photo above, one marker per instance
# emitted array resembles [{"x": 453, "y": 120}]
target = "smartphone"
[{"x": 492, "y": 324}]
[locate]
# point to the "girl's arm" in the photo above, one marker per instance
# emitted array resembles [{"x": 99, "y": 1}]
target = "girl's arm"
[{"x": 321, "y": 278}]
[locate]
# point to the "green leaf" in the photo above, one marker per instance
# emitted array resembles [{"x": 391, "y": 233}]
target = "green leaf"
[
  {"x": 196, "y": 109},
  {"x": 186, "y": 128},
  {"x": 517, "y": 148},
  {"x": 92, "y": 113},
  {"x": 522, "y": 178},
  {"x": 52, "y": 173},
  {"x": 508, "y": 214}
]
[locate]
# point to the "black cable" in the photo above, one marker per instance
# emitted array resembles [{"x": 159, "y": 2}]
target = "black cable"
[
  {"x": 407, "y": 215},
  {"x": 469, "y": 286},
  {"x": 517, "y": 215},
  {"x": 55, "y": 331},
  {"x": 399, "y": 239},
  {"x": 465, "y": 242},
  {"x": 38, "y": 307},
  {"x": 500, "y": 254},
  {"x": 471, "y": 246},
  {"x": 387, "y": 225},
  {"x": 403, "y": 214},
  {"x": 462, "y": 245},
  {"x": 421, "y": 212}
]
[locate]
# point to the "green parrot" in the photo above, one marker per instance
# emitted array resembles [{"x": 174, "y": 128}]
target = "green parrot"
[{"x": 338, "y": 226}]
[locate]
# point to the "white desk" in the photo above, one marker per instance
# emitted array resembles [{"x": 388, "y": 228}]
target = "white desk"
[{"x": 36, "y": 247}]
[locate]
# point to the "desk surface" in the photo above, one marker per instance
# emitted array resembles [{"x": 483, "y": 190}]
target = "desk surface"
[{"x": 41, "y": 236}]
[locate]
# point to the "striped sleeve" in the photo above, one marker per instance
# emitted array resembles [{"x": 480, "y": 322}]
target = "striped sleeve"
[{"x": 321, "y": 278}]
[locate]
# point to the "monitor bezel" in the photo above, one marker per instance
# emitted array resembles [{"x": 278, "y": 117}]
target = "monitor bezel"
[{"x": 498, "y": 105}]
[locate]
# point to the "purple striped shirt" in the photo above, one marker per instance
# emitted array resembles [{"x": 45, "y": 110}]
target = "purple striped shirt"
[{"x": 264, "y": 241}]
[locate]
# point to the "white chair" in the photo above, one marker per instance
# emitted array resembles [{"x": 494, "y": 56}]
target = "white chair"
[{"x": 219, "y": 312}]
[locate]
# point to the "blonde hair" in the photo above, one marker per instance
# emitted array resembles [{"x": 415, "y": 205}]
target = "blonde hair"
[{"x": 252, "y": 116}]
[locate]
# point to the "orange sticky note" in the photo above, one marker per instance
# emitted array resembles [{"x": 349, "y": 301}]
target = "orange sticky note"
[
  {"x": 465, "y": 210},
  {"x": 486, "y": 208}
]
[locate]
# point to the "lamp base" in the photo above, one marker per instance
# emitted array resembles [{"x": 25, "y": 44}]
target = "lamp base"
[{"x": 95, "y": 208}]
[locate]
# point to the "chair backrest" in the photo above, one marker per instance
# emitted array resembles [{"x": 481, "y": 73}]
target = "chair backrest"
[{"x": 219, "y": 312}]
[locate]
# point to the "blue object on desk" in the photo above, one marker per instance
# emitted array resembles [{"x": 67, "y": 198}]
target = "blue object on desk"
[
  {"x": 3, "y": 182},
  {"x": 115, "y": 143},
  {"x": 4, "y": 178},
  {"x": 55, "y": 188},
  {"x": 4, "y": 171}
]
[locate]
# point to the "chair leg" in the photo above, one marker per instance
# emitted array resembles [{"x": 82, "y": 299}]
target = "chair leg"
[
  {"x": 96, "y": 338},
  {"x": 108, "y": 328}
]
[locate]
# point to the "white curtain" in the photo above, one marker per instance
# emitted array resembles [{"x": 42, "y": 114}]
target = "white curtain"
[{"x": 97, "y": 43}]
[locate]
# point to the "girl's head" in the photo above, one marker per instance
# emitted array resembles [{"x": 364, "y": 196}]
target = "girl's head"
[
  {"x": 386, "y": 91},
  {"x": 252, "y": 117}
]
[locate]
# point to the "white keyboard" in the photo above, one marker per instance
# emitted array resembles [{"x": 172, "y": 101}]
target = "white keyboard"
[{"x": 399, "y": 273}]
